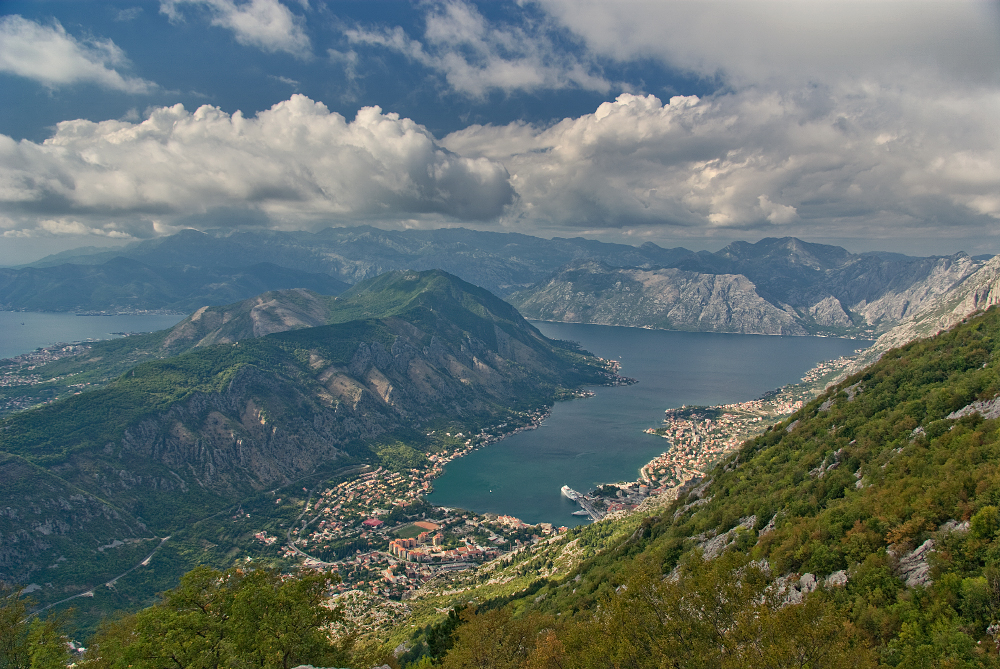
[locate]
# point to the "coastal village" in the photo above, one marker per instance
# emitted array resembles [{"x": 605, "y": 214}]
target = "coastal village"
[
  {"x": 701, "y": 436},
  {"x": 376, "y": 531},
  {"x": 20, "y": 371}
]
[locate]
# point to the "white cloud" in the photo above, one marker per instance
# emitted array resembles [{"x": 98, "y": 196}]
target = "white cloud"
[
  {"x": 839, "y": 117},
  {"x": 68, "y": 227},
  {"x": 813, "y": 164},
  {"x": 797, "y": 41},
  {"x": 53, "y": 57},
  {"x": 295, "y": 164},
  {"x": 265, "y": 24},
  {"x": 130, "y": 14},
  {"x": 476, "y": 57}
]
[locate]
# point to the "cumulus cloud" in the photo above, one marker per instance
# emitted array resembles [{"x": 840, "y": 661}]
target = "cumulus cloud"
[
  {"x": 296, "y": 163},
  {"x": 860, "y": 162},
  {"x": 476, "y": 57},
  {"x": 53, "y": 57},
  {"x": 265, "y": 24}
]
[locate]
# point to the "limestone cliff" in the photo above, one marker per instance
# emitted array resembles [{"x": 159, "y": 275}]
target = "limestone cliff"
[
  {"x": 592, "y": 292},
  {"x": 776, "y": 286}
]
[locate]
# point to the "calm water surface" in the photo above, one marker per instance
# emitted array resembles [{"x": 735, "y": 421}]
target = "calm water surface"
[
  {"x": 597, "y": 440},
  {"x": 22, "y": 332}
]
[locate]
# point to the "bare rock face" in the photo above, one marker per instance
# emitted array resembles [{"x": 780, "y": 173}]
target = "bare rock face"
[
  {"x": 988, "y": 409},
  {"x": 837, "y": 579},
  {"x": 672, "y": 299},
  {"x": 792, "y": 588},
  {"x": 913, "y": 568},
  {"x": 275, "y": 311},
  {"x": 904, "y": 296},
  {"x": 712, "y": 547},
  {"x": 977, "y": 292},
  {"x": 829, "y": 312}
]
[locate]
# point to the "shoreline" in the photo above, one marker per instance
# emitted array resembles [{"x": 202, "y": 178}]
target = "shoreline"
[
  {"x": 864, "y": 336},
  {"x": 701, "y": 436}
]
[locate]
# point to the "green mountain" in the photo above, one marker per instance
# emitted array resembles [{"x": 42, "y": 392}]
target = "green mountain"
[
  {"x": 863, "y": 530},
  {"x": 177, "y": 440},
  {"x": 99, "y": 363}
]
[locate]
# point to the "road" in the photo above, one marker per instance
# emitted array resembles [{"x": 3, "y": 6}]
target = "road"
[{"x": 109, "y": 584}]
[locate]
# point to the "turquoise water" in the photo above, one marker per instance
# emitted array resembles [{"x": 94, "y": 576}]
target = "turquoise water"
[
  {"x": 597, "y": 440},
  {"x": 24, "y": 331}
]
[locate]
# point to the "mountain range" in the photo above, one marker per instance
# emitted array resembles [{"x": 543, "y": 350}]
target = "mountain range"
[{"x": 774, "y": 286}]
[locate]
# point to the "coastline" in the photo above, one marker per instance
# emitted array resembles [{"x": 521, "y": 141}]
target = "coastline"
[
  {"x": 700, "y": 437},
  {"x": 863, "y": 335}
]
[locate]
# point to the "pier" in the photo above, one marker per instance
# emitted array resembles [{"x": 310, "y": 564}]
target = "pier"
[{"x": 582, "y": 500}]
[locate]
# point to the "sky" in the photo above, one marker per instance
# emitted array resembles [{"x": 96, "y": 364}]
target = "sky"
[{"x": 871, "y": 124}]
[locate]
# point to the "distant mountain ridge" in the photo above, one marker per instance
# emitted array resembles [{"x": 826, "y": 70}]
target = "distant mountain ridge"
[
  {"x": 776, "y": 286},
  {"x": 499, "y": 262},
  {"x": 125, "y": 284},
  {"x": 671, "y": 299}
]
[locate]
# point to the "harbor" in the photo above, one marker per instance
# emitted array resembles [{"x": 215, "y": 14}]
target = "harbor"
[{"x": 588, "y": 509}]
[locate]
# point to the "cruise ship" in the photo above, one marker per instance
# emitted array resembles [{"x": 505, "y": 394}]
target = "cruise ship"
[{"x": 572, "y": 494}]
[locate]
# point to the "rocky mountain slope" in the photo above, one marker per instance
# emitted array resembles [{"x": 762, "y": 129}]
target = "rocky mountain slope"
[
  {"x": 247, "y": 408},
  {"x": 939, "y": 312},
  {"x": 671, "y": 299},
  {"x": 777, "y": 286}
]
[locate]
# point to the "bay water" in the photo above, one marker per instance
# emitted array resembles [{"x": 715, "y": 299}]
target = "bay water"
[
  {"x": 586, "y": 442},
  {"x": 24, "y": 331}
]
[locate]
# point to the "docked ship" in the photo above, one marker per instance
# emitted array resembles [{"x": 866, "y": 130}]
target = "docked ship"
[{"x": 572, "y": 494}]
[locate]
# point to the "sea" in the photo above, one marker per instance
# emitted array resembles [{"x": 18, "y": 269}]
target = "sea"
[
  {"x": 25, "y": 331},
  {"x": 591, "y": 441}
]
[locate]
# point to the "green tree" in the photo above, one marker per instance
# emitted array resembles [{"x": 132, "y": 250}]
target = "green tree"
[
  {"x": 29, "y": 642},
  {"x": 494, "y": 640},
  {"x": 233, "y": 619}
]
